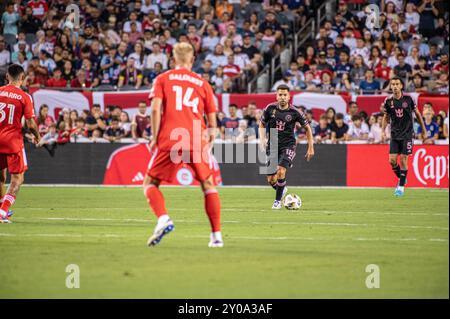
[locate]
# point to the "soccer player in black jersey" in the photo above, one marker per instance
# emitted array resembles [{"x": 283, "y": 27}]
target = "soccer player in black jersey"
[
  {"x": 399, "y": 110},
  {"x": 283, "y": 117}
]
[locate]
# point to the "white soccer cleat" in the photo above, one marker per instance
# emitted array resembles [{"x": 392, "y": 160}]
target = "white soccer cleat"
[
  {"x": 215, "y": 240},
  {"x": 215, "y": 244},
  {"x": 277, "y": 205},
  {"x": 5, "y": 220},
  {"x": 160, "y": 231}
]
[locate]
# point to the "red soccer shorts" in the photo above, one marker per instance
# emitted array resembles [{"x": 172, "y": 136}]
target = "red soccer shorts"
[
  {"x": 15, "y": 163},
  {"x": 163, "y": 166}
]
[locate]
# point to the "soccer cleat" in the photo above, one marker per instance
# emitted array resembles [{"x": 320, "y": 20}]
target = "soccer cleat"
[
  {"x": 160, "y": 232},
  {"x": 399, "y": 192},
  {"x": 10, "y": 213},
  {"x": 277, "y": 205},
  {"x": 5, "y": 220},
  {"x": 215, "y": 244}
]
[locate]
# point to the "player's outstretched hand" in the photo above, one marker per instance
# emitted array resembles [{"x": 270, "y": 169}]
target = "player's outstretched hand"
[{"x": 309, "y": 154}]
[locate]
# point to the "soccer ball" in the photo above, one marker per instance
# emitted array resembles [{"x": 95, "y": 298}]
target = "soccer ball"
[{"x": 292, "y": 202}]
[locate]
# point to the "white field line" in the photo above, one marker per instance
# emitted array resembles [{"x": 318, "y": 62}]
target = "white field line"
[
  {"x": 237, "y": 222},
  {"x": 224, "y": 186},
  {"x": 234, "y": 237},
  {"x": 243, "y": 211}
]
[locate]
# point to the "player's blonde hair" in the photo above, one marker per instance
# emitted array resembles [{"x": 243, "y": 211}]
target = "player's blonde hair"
[{"x": 183, "y": 52}]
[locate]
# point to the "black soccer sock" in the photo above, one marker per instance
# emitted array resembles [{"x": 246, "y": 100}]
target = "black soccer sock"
[
  {"x": 396, "y": 170},
  {"x": 280, "y": 188},
  {"x": 403, "y": 174},
  {"x": 274, "y": 186}
]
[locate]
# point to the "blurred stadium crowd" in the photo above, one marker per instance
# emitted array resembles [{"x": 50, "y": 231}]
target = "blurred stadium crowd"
[{"x": 125, "y": 44}]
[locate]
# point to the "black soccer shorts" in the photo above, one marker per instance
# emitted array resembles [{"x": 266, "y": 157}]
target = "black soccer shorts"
[
  {"x": 404, "y": 147},
  {"x": 285, "y": 157}
]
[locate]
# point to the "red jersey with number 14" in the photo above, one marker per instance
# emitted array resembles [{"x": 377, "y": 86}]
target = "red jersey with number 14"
[
  {"x": 186, "y": 98},
  {"x": 14, "y": 103}
]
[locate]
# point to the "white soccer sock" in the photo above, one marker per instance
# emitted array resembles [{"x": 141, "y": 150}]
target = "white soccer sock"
[
  {"x": 216, "y": 236},
  {"x": 163, "y": 219}
]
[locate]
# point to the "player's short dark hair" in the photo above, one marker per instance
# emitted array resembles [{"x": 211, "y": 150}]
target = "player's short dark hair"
[
  {"x": 339, "y": 116},
  {"x": 15, "y": 71},
  {"x": 115, "y": 119},
  {"x": 233, "y": 105},
  {"x": 95, "y": 105},
  {"x": 283, "y": 87},
  {"x": 80, "y": 119},
  {"x": 396, "y": 78}
]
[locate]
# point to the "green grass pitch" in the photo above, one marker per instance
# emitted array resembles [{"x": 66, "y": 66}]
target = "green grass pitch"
[{"x": 320, "y": 251}]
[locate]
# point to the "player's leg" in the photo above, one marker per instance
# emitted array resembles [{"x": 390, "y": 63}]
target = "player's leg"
[
  {"x": 2, "y": 184},
  {"x": 212, "y": 208},
  {"x": 157, "y": 203},
  {"x": 281, "y": 187},
  {"x": 272, "y": 180},
  {"x": 394, "y": 150},
  {"x": 405, "y": 151},
  {"x": 203, "y": 170},
  {"x": 160, "y": 168},
  {"x": 10, "y": 196}
]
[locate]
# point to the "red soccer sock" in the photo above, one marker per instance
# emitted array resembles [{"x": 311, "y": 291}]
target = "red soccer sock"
[
  {"x": 8, "y": 200},
  {"x": 212, "y": 207},
  {"x": 156, "y": 200}
]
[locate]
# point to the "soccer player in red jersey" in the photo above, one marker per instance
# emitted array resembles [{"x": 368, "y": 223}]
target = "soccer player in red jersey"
[
  {"x": 14, "y": 104},
  {"x": 180, "y": 101}
]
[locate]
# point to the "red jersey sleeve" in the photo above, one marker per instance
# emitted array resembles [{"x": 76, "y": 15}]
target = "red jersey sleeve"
[
  {"x": 28, "y": 110},
  {"x": 157, "y": 89},
  {"x": 210, "y": 101}
]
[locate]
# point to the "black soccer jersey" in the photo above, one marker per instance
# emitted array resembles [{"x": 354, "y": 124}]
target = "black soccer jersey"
[
  {"x": 284, "y": 121},
  {"x": 400, "y": 113}
]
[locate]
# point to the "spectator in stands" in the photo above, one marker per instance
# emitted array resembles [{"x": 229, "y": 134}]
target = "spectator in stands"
[
  {"x": 79, "y": 132},
  {"x": 356, "y": 131},
  {"x": 56, "y": 80},
  {"x": 432, "y": 133},
  {"x": 210, "y": 41},
  {"x": 220, "y": 81},
  {"x": 358, "y": 72},
  {"x": 131, "y": 76},
  {"x": 67, "y": 72},
  {"x": 322, "y": 131},
  {"x": 402, "y": 69},
  {"x": 383, "y": 71},
  {"x": 80, "y": 81},
  {"x": 250, "y": 117},
  {"x": 125, "y": 123},
  {"x": 369, "y": 85},
  {"x": 231, "y": 123},
  {"x": 375, "y": 132},
  {"x": 5, "y": 59},
  {"x": 95, "y": 121},
  {"x": 110, "y": 67},
  {"x": 440, "y": 124},
  {"x": 441, "y": 84},
  {"x": 339, "y": 129},
  {"x": 44, "y": 119},
  {"x": 114, "y": 132},
  {"x": 234, "y": 73},
  {"x": 63, "y": 133},
  {"x": 286, "y": 80},
  {"x": 140, "y": 121},
  {"x": 157, "y": 70},
  {"x": 48, "y": 140},
  {"x": 243, "y": 133},
  {"x": 326, "y": 85},
  {"x": 416, "y": 84},
  {"x": 217, "y": 58},
  {"x": 442, "y": 66},
  {"x": 139, "y": 56}
]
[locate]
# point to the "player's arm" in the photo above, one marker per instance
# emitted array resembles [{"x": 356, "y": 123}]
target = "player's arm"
[
  {"x": 310, "y": 139},
  {"x": 422, "y": 124},
  {"x": 156, "y": 106},
  {"x": 32, "y": 126},
  {"x": 262, "y": 136},
  {"x": 212, "y": 127}
]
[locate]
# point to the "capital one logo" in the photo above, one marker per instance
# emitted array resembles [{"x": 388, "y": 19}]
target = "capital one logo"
[
  {"x": 430, "y": 167},
  {"x": 399, "y": 112}
]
